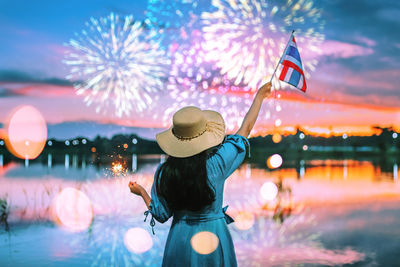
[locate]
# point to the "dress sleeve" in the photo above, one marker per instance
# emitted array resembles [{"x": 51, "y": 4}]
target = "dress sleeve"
[
  {"x": 231, "y": 154},
  {"x": 158, "y": 207}
]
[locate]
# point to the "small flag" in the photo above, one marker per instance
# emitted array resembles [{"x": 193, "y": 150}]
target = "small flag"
[{"x": 292, "y": 71}]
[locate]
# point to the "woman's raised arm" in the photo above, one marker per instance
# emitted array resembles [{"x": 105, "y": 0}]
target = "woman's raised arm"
[{"x": 251, "y": 116}]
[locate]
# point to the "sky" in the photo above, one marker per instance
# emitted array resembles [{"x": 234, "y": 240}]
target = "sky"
[{"x": 355, "y": 83}]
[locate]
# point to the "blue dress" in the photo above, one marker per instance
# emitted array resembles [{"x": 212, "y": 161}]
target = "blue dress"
[{"x": 178, "y": 249}]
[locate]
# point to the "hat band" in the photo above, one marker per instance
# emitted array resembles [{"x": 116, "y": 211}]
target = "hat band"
[{"x": 213, "y": 127}]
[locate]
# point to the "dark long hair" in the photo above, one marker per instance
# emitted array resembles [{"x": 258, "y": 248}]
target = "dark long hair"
[{"x": 184, "y": 182}]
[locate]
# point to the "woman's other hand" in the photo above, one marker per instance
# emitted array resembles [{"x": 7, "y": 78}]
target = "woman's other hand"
[
  {"x": 136, "y": 188},
  {"x": 265, "y": 90}
]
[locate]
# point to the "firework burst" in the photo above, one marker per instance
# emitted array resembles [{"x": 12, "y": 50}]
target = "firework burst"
[
  {"x": 117, "y": 61},
  {"x": 195, "y": 81},
  {"x": 172, "y": 14},
  {"x": 246, "y": 38}
]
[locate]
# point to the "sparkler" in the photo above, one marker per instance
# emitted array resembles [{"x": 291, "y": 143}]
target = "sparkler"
[
  {"x": 117, "y": 61},
  {"x": 118, "y": 169}
]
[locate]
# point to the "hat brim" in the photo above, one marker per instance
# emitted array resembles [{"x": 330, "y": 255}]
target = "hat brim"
[{"x": 178, "y": 148}]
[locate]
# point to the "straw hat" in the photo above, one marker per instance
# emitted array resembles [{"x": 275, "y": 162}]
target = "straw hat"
[{"x": 193, "y": 131}]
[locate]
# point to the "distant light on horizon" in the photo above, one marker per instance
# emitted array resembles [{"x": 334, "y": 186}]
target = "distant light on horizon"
[
  {"x": 394, "y": 135},
  {"x": 274, "y": 161},
  {"x": 276, "y": 138},
  {"x": 278, "y": 122},
  {"x": 302, "y": 136}
]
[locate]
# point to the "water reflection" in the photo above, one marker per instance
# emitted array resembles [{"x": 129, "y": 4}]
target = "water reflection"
[
  {"x": 268, "y": 230},
  {"x": 134, "y": 162},
  {"x": 49, "y": 160},
  {"x": 302, "y": 169},
  {"x": 66, "y": 164}
]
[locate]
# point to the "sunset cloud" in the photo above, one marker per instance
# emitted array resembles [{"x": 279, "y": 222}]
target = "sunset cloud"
[{"x": 60, "y": 104}]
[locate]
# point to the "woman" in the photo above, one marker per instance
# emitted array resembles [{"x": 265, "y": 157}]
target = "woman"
[{"x": 190, "y": 184}]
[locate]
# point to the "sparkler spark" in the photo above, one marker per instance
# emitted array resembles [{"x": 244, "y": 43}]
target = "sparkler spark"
[
  {"x": 116, "y": 61},
  {"x": 117, "y": 168},
  {"x": 252, "y": 35}
]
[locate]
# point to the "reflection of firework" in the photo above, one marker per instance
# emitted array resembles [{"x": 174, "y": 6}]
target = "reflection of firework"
[
  {"x": 263, "y": 242},
  {"x": 259, "y": 239},
  {"x": 119, "y": 62},
  {"x": 265, "y": 235},
  {"x": 105, "y": 241},
  {"x": 246, "y": 38},
  {"x": 117, "y": 211}
]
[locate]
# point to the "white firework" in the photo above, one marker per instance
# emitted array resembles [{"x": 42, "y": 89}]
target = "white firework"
[
  {"x": 246, "y": 38},
  {"x": 116, "y": 61},
  {"x": 195, "y": 81}
]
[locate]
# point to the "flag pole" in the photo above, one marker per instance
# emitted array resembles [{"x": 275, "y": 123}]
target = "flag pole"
[{"x": 284, "y": 52}]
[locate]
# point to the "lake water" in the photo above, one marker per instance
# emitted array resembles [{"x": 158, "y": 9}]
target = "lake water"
[{"x": 329, "y": 212}]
